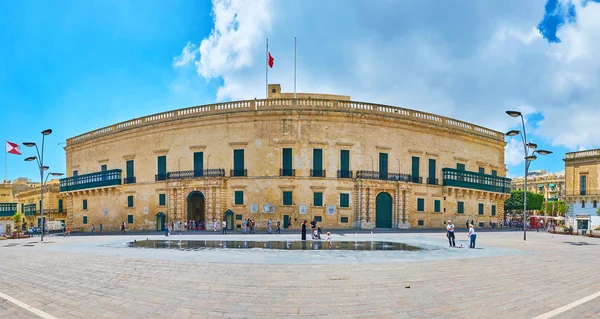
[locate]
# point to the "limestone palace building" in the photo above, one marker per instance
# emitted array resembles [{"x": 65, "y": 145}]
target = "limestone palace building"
[{"x": 346, "y": 164}]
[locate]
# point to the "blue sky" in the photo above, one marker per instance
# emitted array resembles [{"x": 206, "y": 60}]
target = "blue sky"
[{"x": 75, "y": 66}]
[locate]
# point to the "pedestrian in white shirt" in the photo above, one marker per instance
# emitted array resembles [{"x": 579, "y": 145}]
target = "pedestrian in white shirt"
[
  {"x": 450, "y": 234},
  {"x": 472, "y": 236}
]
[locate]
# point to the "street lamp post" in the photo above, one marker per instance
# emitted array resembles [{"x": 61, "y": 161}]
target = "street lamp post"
[{"x": 529, "y": 157}]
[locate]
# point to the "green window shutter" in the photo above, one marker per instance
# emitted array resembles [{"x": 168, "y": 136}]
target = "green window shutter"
[
  {"x": 129, "y": 219},
  {"x": 84, "y": 204},
  {"x": 415, "y": 169},
  {"x": 103, "y": 168},
  {"x": 432, "y": 171},
  {"x": 437, "y": 206},
  {"x": 494, "y": 172},
  {"x": 129, "y": 201},
  {"x": 318, "y": 199},
  {"x": 162, "y": 168},
  {"x": 317, "y": 159},
  {"x": 129, "y": 169},
  {"x": 238, "y": 162},
  {"x": 84, "y": 219},
  {"x": 420, "y": 204},
  {"x": 343, "y": 220},
  {"x": 461, "y": 207},
  {"x": 344, "y": 200},
  {"x": 460, "y": 167},
  {"x": 287, "y": 198},
  {"x": 162, "y": 199},
  {"x": 582, "y": 184},
  {"x": 198, "y": 164},
  {"x": 493, "y": 210},
  {"x": 75, "y": 173},
  {"x": 287, "y": 160},
  {"x": 60, "y": 206},
  {"x": 344, "y": 160},
  {"x": 481, "y": 208},
  {"x": 482, "y": 170},
  {"x": 239, "y": 197},
  {"x": 383, "y": 165}
]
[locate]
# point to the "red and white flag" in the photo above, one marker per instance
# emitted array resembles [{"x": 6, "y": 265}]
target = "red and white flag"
[
  {"x": 13, "y": 148},
  {"x": 271, "y": 60}
]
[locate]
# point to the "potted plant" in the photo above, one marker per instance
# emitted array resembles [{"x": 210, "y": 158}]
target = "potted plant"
[{"x": 17, "y": 219}]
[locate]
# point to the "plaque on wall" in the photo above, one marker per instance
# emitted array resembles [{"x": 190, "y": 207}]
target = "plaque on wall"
[
  {"x": 302, "y": 209},
  {"x": 106, "y": 212},
  {"x": 331, "y": 210},
  {"x": 268, "y": 209},
  {"x": 254, "y": 208},
  {"x": 145, "y": 210}
]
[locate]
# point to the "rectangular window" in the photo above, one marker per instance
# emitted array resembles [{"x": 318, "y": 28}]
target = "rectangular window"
[
  {"x": 198, "y": 164},
  {"x": 432, "y": 170},
  {"x": 344, "y": 220},
  {"x": 318, "y": 199},
  {"x": 75, "y": 173},
  {"x": 482, "y": 170},
  {"x": 129, "y": 172},
  {"x": 582, "y": 204},
  {"x": 420, "y": 222},
  {"x": 286, "y": 162},
  {"x": 415, "y": 169},
  {"x": 437, "y": 206},
  {"x": 494, "y": 172},
  {"x": 481, "y": 208},
  {"x": 84, "y": 204},
  {"x": 493, "y": 210},
  {"x": 383, "y": 166},
  {"x": 345, "y": 162},
  {"x": 239, "y": 217},
  {"x": 317, "y": 162},
  {"x": 344, "y": 200},
  {"x": 461, "y": 208},
  {"x": 595, "y": 204},
  {"x": 130, "y": 201},
  {"x": 60, "y": 206},
  {"x": 161, "y": 163},
  {"x": 84, "y": 220},
  {"x": 582, "y": 184},
  {"x": 162, "y": 199},
  {"x": 460, "y": 167},
  {"x": 287, "y": 198},
  {"x": 129, "y": 219},
  {"x": 103, "y": 168},
  {"x": 420, "y": 204},
  {"x": 238, "y": 163},
  {"x": 239, "y": 197},
  {"x": 318, "y": 219}
]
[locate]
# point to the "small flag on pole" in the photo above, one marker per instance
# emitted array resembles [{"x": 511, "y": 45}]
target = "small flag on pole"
[
  {"x": 271, "y": 60},
  {"x": 13, "y": 148}
]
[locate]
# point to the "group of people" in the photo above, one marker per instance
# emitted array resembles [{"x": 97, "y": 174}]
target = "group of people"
[
  {"x": 315, "y": 232},
  {"x": 472, "y": 235}
]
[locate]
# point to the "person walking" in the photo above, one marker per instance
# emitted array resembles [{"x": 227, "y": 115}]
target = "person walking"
[
  {"x": 472, "y": 236},
  {"x": 278, "y": 227},
  {"x": 270, "y": 226},
  {"x": 224, "y": 225},
  {"x": 244, "y": 226},
  {"x": 166, "y": 229},
  {"x": 467, "y": 224},
  {"x": 304, "y": 230},
  {"x": 101, "y": 229},
  {"x": 215, "y": 225},
  {"x": 450, "y": 234},
  {"x": 93, "y": 228}
]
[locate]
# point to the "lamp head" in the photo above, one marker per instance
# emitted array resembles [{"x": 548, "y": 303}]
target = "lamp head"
[
  {"x": 57, "y": 174},
  {"x": 531, "y": 158},
  {"x": 513, "y": 113},
  {"x": 45, "y": 168},
  {"x": 47, "y": 132},
  {"x": 29, "y": 144},
  {"x": 513, "y": 133},
  {"x": 532, "y": 146},
  {"x": 29, "y": 159},
  {"x": 543, "y": 152}
]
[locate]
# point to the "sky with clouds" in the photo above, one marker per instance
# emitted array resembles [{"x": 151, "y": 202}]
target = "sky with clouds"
[{"x": 77, "y": 66}]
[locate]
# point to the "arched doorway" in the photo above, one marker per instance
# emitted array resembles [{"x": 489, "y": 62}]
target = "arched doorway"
[
  {"x": 160, "y": 222},
  {"x": 196, "y": 204},
  {"x": 383, "y": 210}
]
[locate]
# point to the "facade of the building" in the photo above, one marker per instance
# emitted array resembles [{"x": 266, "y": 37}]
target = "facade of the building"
[
  {"x": 344, "y": 163},
  {"x": 550, "y": 185},
  {"x": 8, "y": 207},
  {"x": 28, "y": 201},
  {"x": 582, "y": 176}
]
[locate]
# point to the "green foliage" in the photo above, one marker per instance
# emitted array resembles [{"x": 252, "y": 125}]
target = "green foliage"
[
  {"x": 515, "y": 202},
  {"x": 558, "y": 207},
  {"x": 598, "y": 212},
  {"x": 17, "y": 219}
]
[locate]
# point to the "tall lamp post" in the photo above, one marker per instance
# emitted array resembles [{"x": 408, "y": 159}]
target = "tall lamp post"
[
  {"x": 530, "y": 149},
  {"x": 40, "y": 162}
]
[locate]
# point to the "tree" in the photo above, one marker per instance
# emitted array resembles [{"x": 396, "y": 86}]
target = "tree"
[
  {"x": 17, "y": 220},
  {"x": 598, "y": 212},
  {"x": 557, "y": 207},
  {"x": 515, "y": 202}
]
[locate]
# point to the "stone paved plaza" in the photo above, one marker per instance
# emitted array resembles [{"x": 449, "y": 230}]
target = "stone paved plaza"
[{"x": 101, "y": 277}]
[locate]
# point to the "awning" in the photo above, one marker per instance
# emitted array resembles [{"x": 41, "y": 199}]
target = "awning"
[
  {"x": 541, "y": 186},
  {"x": 583, "y": 217},
  {"x": 552, "y": 185}
]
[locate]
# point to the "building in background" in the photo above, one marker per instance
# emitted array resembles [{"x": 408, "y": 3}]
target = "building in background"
[
  {"x": 29, "y": 204},
  {"x": 550, "y": 185},
  {"x": 583, "y": 188},
  {"x": 343, "y": 163},
  {"x": 8, "y": 207}
]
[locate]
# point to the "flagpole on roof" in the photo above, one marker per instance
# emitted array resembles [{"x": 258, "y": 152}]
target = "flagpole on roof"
[
  {"x": 267, "y": 71},
  {"x": 294, "y": 67},
  {"x": 5, "y": 165}
]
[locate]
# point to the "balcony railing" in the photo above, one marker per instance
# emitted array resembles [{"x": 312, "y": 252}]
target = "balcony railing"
[
  {"x": 129, "y": 180},
  {"x": 287, "y": 172},
  {"x": 238, "y": 172},
  {"x": 92, "y": 180},
  {"x": 160, "y": 177},
  {"x": 475, "y": 180},
  {"x": 35, "y": 212},
  {"x": 344, "y": 174},
  {"x": 7, "y": 209},
  {"x": 318, "y": 173},
  {"x": 432, "y": 181},
  {"x": 583, "y": 192},
  {"x": 29, "y": 209},
  {"x": 214, "y": 172},
  {"x": 397, "y": 177}
]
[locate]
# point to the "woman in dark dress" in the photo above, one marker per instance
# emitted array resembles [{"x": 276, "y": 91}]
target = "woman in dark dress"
[{"x": 304, "y": 230}]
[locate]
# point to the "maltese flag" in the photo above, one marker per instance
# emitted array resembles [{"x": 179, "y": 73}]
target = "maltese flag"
[{"x": 13, "y": 148}]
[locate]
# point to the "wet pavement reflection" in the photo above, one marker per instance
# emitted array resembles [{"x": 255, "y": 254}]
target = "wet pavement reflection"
[{"x": 272, "y": 245}]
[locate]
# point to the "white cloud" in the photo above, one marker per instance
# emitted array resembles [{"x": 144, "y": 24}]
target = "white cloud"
[
  {"x": 514, "y": 152},
  {"x": 188, "y": 54}
]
